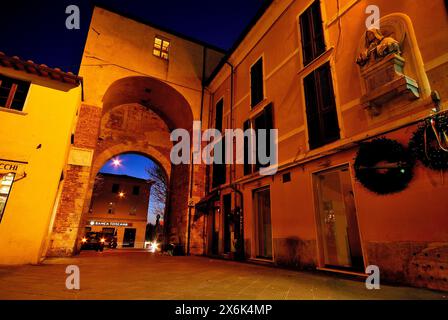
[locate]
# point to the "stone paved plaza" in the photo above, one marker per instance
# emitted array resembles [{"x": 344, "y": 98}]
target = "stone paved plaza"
[{"x": 140, "y": 275}]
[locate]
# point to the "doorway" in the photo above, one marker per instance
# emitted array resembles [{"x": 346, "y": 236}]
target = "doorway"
[
  {"x": 228, "y": 223},
  {"x": 216, "y": 217},
  {"x": 336, "y": 219},
  {"x": 129, "y": 238},
  {"x": 263, "y": 226}
]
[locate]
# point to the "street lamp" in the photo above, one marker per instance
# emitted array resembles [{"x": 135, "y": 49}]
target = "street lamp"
[{"x": 116, "y": 162}]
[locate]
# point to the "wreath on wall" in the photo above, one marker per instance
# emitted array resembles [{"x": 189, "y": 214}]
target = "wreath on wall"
[
  {"x": 384, "y": 166},
  {"x": 429, "y": 143}
]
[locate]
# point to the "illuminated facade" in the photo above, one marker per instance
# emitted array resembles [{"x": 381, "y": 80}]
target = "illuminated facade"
[
  {"x": 120, "y": 207},
  {"x": 296, "y": 71},
  {"x": 307, "y": 68},
  {"x": 38, "y": 108}
]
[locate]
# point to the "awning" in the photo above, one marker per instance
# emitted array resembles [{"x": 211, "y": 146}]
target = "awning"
[{"x": 205, "y": 204}]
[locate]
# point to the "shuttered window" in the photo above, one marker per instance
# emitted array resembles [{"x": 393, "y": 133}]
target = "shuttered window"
[
  {"x": 256, "y": 83},
  {"x": 263, "y": 121},
  {"x": 321, "y": 110},
  {"x": 247, "y": 165},
  {"x": 13, "y": 93},
  {"x": 312, "y": 34},
  {"x": 218, "y": 116},
  {"x": 219, "y": 169}
]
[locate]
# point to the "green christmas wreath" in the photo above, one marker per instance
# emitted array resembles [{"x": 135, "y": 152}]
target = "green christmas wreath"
[
  {"x": 384, "y": 166},
  {"x": 429, "y": 143}
]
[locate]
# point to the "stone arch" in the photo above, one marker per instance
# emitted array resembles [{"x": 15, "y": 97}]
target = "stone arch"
[
  {"x": 153, "y": 94},
  {"x": 135, "y": 111}
]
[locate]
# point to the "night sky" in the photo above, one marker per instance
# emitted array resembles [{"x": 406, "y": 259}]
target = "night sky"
[
  {"x": 35, "y": 30},
  {"x": 133, "y": 165}
]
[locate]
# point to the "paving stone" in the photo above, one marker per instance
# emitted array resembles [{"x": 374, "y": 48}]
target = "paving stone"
[{"x": 116, "y": 274}]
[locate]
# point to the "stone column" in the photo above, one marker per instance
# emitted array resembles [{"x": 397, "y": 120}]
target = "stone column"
[{"x": 77, "y": 174}]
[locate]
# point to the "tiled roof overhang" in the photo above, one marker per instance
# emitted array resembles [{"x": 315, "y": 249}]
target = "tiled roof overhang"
[{"x": 40, "y": 70}]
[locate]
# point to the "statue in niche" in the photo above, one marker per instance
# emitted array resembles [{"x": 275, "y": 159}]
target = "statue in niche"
[{"x": 377, "y": 46}]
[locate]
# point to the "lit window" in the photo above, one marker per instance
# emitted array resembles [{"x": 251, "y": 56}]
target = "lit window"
[
  {"x": 13, "y": 93},
  {"x": 161, "y": 48},
  {"x": 111, "y": 209},
  {"x": 6, "y": 181}
]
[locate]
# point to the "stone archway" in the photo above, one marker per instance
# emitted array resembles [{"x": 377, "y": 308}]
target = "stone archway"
[{"x": 137, "y": 115}]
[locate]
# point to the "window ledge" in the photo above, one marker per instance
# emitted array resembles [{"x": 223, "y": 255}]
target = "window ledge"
[
  {"x": 21, "y": 113},
  {"x": 258, "y": 107},
  {"x": 317, "y": 62}
]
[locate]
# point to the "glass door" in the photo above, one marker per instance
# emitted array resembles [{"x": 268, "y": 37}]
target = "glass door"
[
  {"x": 215, "y": 233},
  {"x": 129, "y": 237},
  {"x": 337, "y": 222},
  {"x": 228, "y": 224},
  {"x": 263, "y": 226}
]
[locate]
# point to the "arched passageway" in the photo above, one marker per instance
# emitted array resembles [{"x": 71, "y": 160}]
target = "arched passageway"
[
  {"x": 128, "y": 201},
  {"x": 137, "y": 115}
]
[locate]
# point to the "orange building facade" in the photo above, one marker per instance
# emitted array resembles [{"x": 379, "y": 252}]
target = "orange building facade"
[
  {"x": 295, "y": 70},
  {"x": 334, "y": 91},
  {"x": 120, "y": 207}
]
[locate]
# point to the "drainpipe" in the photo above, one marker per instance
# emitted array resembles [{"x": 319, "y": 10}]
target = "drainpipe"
[
  {"x": 232, "y": 70},
  {"x": 232, "y": 166},
  {"x": 204, "y": 53}
]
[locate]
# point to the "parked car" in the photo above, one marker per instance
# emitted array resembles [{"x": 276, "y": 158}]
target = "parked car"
[{"x": 93, "y": 241}]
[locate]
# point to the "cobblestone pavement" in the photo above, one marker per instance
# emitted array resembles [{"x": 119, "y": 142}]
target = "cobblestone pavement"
[{"x": 128, "y": 274}]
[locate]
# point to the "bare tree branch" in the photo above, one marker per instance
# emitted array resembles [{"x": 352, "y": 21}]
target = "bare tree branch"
[{"x": 159, "y": 189}]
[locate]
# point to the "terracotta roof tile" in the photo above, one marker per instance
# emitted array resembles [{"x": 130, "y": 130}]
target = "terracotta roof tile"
[{"x": 40, "y": 70}]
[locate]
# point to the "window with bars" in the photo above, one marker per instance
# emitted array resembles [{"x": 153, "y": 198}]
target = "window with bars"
[
  {"x": 13, "y": 93},
  {"x": 322, "y": 118},
  {"x": 312, "y": 33},
  {"x": 256, "y": 83},
  {"x": 161, "y": 48}
]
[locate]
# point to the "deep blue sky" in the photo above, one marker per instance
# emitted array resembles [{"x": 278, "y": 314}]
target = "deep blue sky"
[
  {"x": 133, "y": 165},
  {"x": 35, "y": 30}
]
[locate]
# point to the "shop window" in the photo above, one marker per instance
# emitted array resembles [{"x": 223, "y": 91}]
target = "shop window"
[
  {"x": 263, "y": 225},
  {"x": 13, "y": 93},
  {"x": 322, "y": 118},
  {"x": 115, "y": 188},
  {"x": 312, "y": 33},
  {"x": 256, "y": 83},
  {"x": 136, "y": 190},
  {"x": 6, "y": 181},
  {"x": 161, "y": 48},
  {"x": 108, "y": 231}
]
